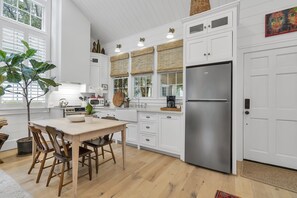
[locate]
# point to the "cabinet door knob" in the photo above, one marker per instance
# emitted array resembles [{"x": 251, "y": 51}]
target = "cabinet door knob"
[
  {"x": 204, "y": 54},
  {"x": 208, "y": 54},
  {"x": 147, "y": 140},
  {"x": 147, "y": 127},
  {"x": 204, "y": 27},
  {"x": 168, "y": 117},
  {"x": 209, "y": 26}
]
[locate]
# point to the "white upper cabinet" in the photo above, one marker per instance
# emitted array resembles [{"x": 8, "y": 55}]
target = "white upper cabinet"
[
  {"x": 98, "y": 70},
  {"x": 70, "y": 42},
  {"x": 209, "y": 36},
  {"x": 211, "y": 24}
]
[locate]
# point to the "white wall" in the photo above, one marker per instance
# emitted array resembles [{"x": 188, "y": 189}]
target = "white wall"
[
  {"x": 153, "y": 37},
  {"x": 71, "y": 36},
  {"x": 251, "y": 37}
]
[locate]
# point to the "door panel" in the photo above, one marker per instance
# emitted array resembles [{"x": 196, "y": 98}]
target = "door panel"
[
  {"x": 270, "y": 130},
  {"x": 196, "y": 51},
  {"x": 220, "y": 47},
  {"x": 208, "y": 135},
  {"x": 209, "y": 82}
]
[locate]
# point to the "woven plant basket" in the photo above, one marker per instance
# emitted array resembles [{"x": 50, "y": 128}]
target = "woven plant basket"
[{"x": 198, "y": 6}]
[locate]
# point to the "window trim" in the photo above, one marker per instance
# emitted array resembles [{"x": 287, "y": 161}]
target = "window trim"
[
  {"x": 29, "y": 31},
  {"x": 159, "y": 84},
  {"x": 46, "y": 17},
  {"x": 133, "y": 82}
]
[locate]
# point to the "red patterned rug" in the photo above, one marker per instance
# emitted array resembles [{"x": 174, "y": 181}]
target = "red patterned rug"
[{"x": 221, "y": 194}]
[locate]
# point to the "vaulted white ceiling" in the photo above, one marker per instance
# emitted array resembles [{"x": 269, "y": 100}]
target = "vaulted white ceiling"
[{"x": 115, "y": 19}]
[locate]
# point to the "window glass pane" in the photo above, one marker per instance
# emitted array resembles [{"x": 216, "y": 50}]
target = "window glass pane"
[
  {"x": 9, "y": 11},
  {"x": 25, "y": 5},
  {"x": 36, "y": 10},
  {"x": 164, "y": 79},
  {"x": 136, "y": 92},
  {"x": 179, "y": 78},
  {"x": 173, "y": 87},
  {"x": 11, "y": 2},
  {"x": 172, "y": 78},
  {"x": 179, "y": 91},
  {"x": 126, "y": 82},
  {"x": 149, "y": 81},
  {"x": 24, "y": 17},
  {"x": 36, "y": 22},
  {"x": 143, "y": 81}
]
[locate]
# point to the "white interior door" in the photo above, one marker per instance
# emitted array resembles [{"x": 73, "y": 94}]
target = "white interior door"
[{"x": 270, "y": 131}]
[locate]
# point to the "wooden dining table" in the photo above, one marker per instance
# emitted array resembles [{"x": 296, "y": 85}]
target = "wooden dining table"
[{"x": 76, "y": 132}]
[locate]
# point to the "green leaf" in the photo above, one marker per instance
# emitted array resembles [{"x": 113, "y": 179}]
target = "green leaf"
[
  {"x": 2, "y": 79},
  {"x": 28, "y": 72},
  {"x": 25, "y": 44},
  {"x": 45, "y": 67},
  {"x": 50, "y": 82},
  {"x": 3, "y": 69},
  {"x": 16, "y": 59},
  {"x": 2, "y": 55},
  {"x": 14, "y": 77},
  {"x": 42, "y": 85},
  {"x": 30, "y": 53},
  {"x": 2, "y": 92},
  {"x": 36, "y": 64}
]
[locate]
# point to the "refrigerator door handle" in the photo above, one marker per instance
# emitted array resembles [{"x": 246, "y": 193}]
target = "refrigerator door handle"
[{"x": 208, "y": 100}]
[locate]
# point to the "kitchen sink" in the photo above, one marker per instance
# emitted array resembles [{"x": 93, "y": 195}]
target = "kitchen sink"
[{"x": 129, "y": 115}]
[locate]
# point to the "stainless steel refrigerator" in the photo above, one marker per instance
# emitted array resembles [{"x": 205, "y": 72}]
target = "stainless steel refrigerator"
[{"x": 209, "y": 116}]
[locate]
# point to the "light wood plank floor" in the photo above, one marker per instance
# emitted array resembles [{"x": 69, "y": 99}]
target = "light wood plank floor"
[{"x": 147, "y": 175}]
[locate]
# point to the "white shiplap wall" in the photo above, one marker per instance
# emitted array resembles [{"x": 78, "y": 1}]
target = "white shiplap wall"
[{"x": 251, "y": 37}]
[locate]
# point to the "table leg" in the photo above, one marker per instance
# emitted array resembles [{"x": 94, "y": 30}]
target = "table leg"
[
  {"x": 75, "y": 150},
  {"x": 124, "y": 146}
]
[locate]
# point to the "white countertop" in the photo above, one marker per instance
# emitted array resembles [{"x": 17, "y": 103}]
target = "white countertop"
[{"x": 147, "y": 109}]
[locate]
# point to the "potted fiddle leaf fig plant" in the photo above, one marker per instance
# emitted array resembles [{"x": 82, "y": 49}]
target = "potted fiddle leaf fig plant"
[{"x": 15, "y": 70}]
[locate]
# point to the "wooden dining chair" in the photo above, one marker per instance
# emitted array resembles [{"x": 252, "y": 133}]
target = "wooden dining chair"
[
  {"x": 100, "y": 143},
  {"x": 42, "y": 147},
  {"x": 63, "y": 154}
]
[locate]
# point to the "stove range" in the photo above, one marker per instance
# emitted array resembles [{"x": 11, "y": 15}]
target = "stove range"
[{"x": 74, "y": 110}]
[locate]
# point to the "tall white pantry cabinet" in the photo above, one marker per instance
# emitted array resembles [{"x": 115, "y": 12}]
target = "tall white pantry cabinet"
[{"x": 211, "y": 37}]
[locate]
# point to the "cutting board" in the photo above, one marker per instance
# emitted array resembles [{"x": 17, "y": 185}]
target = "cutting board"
[{"x": 118, "y": 98}]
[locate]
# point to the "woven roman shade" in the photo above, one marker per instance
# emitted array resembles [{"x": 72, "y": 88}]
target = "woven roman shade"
[
  {"x": 142, "y": 61},
  {"x": 119, "y": 65},
  {"x": 170, "y": 56}
]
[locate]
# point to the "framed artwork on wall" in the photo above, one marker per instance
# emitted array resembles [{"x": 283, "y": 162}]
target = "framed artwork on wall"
[{"x": 281, "y": 22}]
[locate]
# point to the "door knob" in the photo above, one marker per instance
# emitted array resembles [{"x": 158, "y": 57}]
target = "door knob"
[{"x": 246, "y": 112}]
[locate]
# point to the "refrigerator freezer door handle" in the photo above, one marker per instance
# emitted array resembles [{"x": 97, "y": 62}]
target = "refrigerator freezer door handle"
[{"x": 208, "y": 100}]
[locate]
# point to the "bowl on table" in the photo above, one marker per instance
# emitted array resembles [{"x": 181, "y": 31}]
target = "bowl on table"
[{"x": 76, "y": 118}]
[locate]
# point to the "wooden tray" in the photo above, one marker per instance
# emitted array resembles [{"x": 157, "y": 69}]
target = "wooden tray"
[
  {"x": 118, "y": 98},
  {"x": 170, "y": 109}
]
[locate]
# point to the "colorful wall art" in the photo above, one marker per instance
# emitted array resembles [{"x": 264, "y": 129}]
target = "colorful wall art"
[{"x": 281, "y": 22}]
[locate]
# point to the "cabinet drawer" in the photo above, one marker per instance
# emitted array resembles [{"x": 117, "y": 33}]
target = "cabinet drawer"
[
  {"x": 169, "y": 116},
  {"x": 148, "y": 117},
  {"x": 149, "y": 140},
  {"x": 148, "y": 127}
]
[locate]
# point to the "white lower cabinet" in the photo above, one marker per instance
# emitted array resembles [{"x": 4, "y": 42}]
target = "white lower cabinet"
[
  {"x": 161, "y": 132},
  {"x": 131, "y": 133},
  {"x": 158, "y": 131},
  {"x": 170, "y": 133},
  {"x": 147, "y": 139}
]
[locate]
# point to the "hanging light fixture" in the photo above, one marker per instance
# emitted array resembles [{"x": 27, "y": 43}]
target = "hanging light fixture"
[
  {"x": 141, "y": 42},
  {"x": 118, "y": 48},
  {"x": 170, "y": 33}
]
